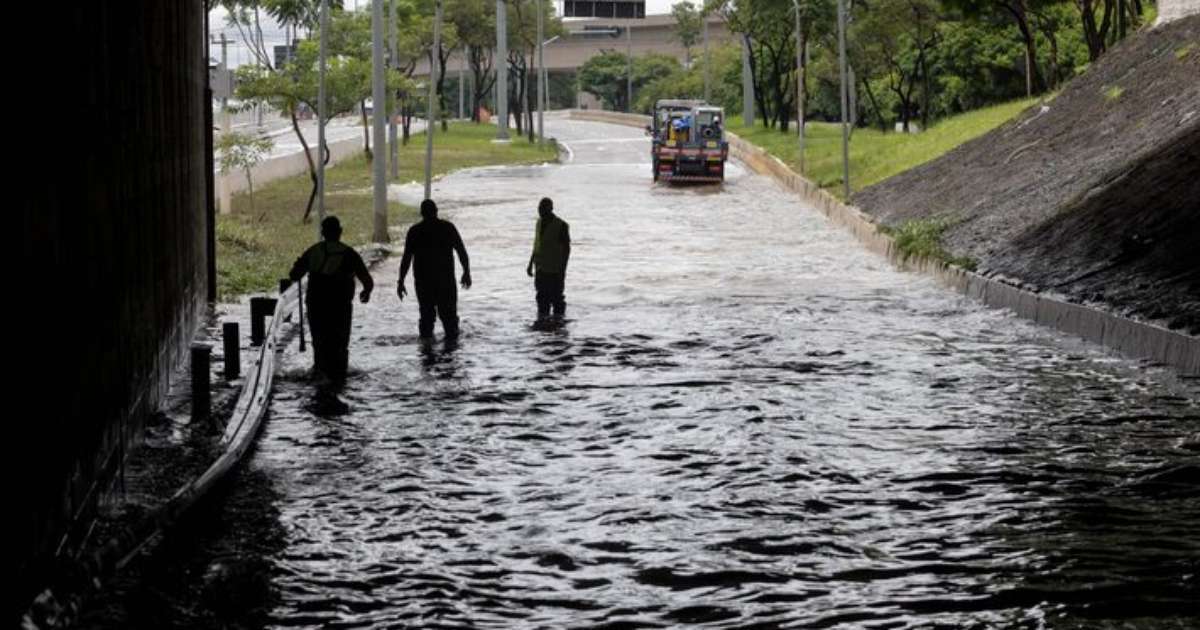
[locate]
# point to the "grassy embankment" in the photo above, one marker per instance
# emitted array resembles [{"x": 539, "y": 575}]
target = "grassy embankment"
[
  {"x": 255, "y": 249},
  {"x": 876, "y": 156}
]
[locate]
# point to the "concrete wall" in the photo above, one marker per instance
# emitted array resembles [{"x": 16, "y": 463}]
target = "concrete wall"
[
  {"x": 1169, "y": 10},
  {"x": 112, "y": 253},
  {"x": 1131, "y": 338},
  {"x": 288, "y": 165}
]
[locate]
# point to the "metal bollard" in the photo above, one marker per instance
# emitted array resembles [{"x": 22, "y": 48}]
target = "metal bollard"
[
  {"x": 233, "y": 350},
  {"x": 201, "y": 381},
  {"x": 260, "y": 308}
]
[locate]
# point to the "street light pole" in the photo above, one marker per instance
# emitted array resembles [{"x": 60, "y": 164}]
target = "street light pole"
[
  {"x": 378, "y": 107},
  {"x": 541, "y": 66},
  {"x": 629, "y": 66},
  {"x": 747, "y": 84},
  {"x": 321, "y": 114},
  {"x": 845, "y": 97},
  {"x": 707, "y": 61},
  {"x": 799, "y": 85},
  {"x": 501, "y": 86},
  {"x": 226, "y": 123},
  {"x": 393, "y": 53},
  {"x": 431, "y": 115}
]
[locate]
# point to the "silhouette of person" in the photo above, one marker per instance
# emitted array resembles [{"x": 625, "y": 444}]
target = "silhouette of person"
[
  {"x": 332, "y": 267},
  {"x": 551, "y": 251},
  {"x": 428, "y": 249}
]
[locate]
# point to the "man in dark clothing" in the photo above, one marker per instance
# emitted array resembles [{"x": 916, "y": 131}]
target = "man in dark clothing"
[
  {"x": 429, "y": 248},
  {"x": 332, "y": 267},
  {"x": 551, "y": 251}
]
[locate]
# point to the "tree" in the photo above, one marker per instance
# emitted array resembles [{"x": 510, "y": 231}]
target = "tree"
[
  {"x": 475, "y": 23},
  {"x": 605, "y": 75},
  {"x": 242, "y": 151},
  {"x": 347, "y": 82},
  {"x": 894, "y": 38},
  {"x": 766, "y": 27},
  {"x": 687, "y": 26}
]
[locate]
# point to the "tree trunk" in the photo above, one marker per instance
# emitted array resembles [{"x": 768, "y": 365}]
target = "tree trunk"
[
  {"x": 362, "y": 107},
  {"x": 312, "y": 167},
  {"x": 1020, "y": 16},
  {"x": 406, "y": 117},
  {"x": 874, "y": 105}
]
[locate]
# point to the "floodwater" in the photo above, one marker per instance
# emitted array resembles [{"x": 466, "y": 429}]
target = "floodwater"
[{"x": 746, "y": 422}]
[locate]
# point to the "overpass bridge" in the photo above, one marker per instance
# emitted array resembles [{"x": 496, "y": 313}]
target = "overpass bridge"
[{"x": 588, "y": 37}]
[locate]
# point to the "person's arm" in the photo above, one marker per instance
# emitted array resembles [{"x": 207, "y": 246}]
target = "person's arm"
[
  {"x": 533, "y": 252},
  {"x": 405, "y": 263},
  {"x": 566, "y": 244},
  {"x": 462, "y": 259},
  {"x": 299, "y": 268},
  {"x": 364, "y": 278}
]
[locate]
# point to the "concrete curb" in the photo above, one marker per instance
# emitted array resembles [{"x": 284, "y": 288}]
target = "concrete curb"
[{"x": 1135, "y": 339}]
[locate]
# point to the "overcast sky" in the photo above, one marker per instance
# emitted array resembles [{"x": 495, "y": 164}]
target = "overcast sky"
[{"x": 239, "y": 55}]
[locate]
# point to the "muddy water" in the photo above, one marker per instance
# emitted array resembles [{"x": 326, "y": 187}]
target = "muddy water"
[{"x": 746, "y": 422}]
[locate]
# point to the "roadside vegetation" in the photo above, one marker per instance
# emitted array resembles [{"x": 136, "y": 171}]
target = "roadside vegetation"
[
  {"x": 875, "y": 155},
  {"x": 255, "y": 248}
]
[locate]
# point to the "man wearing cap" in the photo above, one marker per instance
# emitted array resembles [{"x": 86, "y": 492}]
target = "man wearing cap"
[
  {"x": 332, "y": 267},
  {"x": 551, "y": 252},
  {"x": 429, "y": 249}
]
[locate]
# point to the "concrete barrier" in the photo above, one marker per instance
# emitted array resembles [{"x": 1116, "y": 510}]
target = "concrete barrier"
[
  {"x": 1132, "y": 338},
  {"x": 288, "y": 165}
]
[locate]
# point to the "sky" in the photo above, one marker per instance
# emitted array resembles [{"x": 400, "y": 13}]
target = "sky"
[{"x": 239, "y": 54}]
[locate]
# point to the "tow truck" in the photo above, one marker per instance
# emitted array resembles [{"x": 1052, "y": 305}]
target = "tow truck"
[{"x": 688, "y": 141}]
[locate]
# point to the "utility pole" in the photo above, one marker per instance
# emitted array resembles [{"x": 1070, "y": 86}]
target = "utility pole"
[
  {"x": 462, "y": 72},
  {"x": 501, "y": 87},
  {"x": 378, "y": 109},
  {"x": 226, "y": 196},
  {"x": 432, "y": 114},
  {"x": 707, "y": 60},
  {"x": 799, "y": 86},
  {"x": 747, "y": 85},
  {"x": 845, "y": 96},
  {"x": 541, "y": 65},
  {"x": 629, "y": 66},
  {"x": 393, "y": 62},
  {"x": 321, "y": 109}
]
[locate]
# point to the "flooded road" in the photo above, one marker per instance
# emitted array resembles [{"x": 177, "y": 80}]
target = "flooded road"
[{"x": 747, "y": 422}]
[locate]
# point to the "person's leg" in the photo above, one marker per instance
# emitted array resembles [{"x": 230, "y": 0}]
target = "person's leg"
[
  {"x": 428, "y": 308},
  {"x": 318, "y": 325},
  {"x": 339, "y": 343},
  {"x": 557, "y": 301},
  {"x": 541, "y": 285},
  {"x": 448, "y": 307}
]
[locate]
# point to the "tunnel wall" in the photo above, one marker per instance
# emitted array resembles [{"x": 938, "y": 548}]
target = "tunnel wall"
[
  {"x": 1132, "y": 338},
  {"x": 114, "y": 237}
]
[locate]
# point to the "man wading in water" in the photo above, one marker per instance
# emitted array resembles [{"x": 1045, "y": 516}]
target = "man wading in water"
[
  {"x": 429, "y": 248},
  {"x": 551, "y": 251},
  {"x": 332, "y": 267}
]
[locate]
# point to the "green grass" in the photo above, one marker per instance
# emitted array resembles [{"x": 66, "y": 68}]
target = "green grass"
[
  {"x": 256, "y": 249},
  {"x": 1182, "y": 52},
  {"x": 874, "y": 155},
  {"x": 923, "y": 238},
  {"x": 1113, "y": 93}
]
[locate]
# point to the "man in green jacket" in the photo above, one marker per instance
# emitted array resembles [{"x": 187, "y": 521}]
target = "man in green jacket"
[
  {"x": 551, "y": 252},
  {"x": 331, "y": 266}
]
